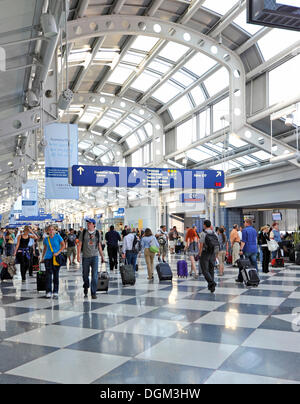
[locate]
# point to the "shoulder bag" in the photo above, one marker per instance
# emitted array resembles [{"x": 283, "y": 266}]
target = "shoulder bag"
[{"x": 60, "y": 260}]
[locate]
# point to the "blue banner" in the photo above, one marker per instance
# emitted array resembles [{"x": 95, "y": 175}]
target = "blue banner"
[
  {"x": 30, "y": 198},
  {"x": 56, "y": 160},
  {"x": 161, "y": 178}
]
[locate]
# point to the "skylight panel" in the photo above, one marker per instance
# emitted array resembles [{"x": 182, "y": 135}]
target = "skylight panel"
[
  {"x": 120, "y": 74},
  {"x": 246, "y": 160},
  {"x": 217, "y": 81},
  {"x": 133, "y": 57},
  {"x": 197, "y": 95},
  {"x": 166, "y": 92},
  {"x": 180, "y": 107},
  {"x": 218, "y": 6},
  {"x": 122, "y": 129},
  {"x": 277, "y": 40},
  {"x": 200, "y": 64},
  {"x": 84, "y": 145},
  {"x": 196, "y": 155},
  {"x": 220, "y": 110},
  {"x": 144, "y": 43},
  {"x": 236, "y": 141},
  {"x": 160, "y": 66},
  {"x": 149, "y": 129},
  {"x": 173, "y": 51},
  {"x": 183, "y": 78},
  {"x": 132, "y": 141},
  {"x": 105, "y": 122},
  {"x": 145, "y": 81},
  {"x": 88, "y": 117},
  {"x": 142, "y": 135},
  {"x": 262, "y": 155}
]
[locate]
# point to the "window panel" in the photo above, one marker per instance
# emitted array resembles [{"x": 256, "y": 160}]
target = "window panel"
[
  {"x": 204, "y": 119},
  {"x": 236, "y": 141},
  {"x": 149, "y": 129},
  {"x": 144, "y": 43},
  {"x": 120, "y": 74},
  {"x": 186, "y": 133},
  {"x": 219, "y": 110},
  {"x": 132, "y": 141},
  {"x": 196, "y": 155},
  {"x": 105, "y": 122},
  {"x": 200, "y": 64},
  {"x": 182, "y": 78},
  {"x": 173, "y": 51},
  {"x": 282, "y": 81},
  {"x": 160, "y": 66},
  {"x": 197, "y": 95},
  {"x": 180, "y": 107},
  {"x": 137, "y": 158},
  {"x": 220, "y": 7},
  {"x": 122, "y": 129},
  {"x": 262, "y": 155},
  {"x": 145, "y": 81},
  {"x": 132, "y": 57},
  {"x": 142, "y": 135},
  {"x": 276, "y": 41},
  {"x": 241, "y": 21},
  {"x": 217, "y": 81},
  {"x": 84, "y": 145},
  {"x": 147, "y": 154},
  {"x": 166, "y": 92}
]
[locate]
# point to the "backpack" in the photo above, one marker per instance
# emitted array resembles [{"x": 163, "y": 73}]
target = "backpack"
[
  {"x": 212, "y": 243},
  {"x": 136, "y": 246},
  {"x": 83, "y": 236}
]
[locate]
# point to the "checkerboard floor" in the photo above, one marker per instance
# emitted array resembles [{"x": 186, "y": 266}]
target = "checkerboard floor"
[{"x": 168, "y": 332}]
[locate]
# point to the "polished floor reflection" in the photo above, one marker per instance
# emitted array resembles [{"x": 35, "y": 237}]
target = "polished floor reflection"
[{"x": 168, "y": 332}]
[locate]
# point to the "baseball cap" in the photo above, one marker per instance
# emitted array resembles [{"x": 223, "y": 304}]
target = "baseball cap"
[{"x": 90, "y": 221}]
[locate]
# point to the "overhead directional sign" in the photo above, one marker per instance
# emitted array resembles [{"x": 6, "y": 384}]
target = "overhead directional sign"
[
  {"x": 135, "y": 177},
  {"x": 192, "y": 198}
]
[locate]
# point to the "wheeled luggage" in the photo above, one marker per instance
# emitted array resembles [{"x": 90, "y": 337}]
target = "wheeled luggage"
[
  {"x": 177, "y": 249},
  {"x": 182, "y": 269},
  {"x": 103, "y": 282},
  {"x": 297, "y": 261},
  {"x": 249, "y": 275},
  {"x": 292, "y": 256},
  {"x": 5, "y": 275},
  {"x": 277, "y": 262},
  {"x": 41, "y": 281},
  {"x": 164, "y": 272},
  {"x": 127, "y": 274}
]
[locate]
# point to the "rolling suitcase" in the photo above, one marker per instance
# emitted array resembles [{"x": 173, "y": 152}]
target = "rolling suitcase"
[
  {"x": 182, "y": 269},
  {"x": 103, "y": 282},
  {"x": 249, "y": 275},
  {"x": 41, "y": 281},
  {"x": 4, "y": 273},
  {"x": 277, "y": 263},
  {"x": 127, "y": 274},
  {"x": 164, "y": 272},
  {"x": 297, "y": 260}
]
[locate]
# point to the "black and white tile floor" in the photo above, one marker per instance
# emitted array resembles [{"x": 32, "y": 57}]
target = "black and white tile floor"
[{"x": 153, "y": 332}]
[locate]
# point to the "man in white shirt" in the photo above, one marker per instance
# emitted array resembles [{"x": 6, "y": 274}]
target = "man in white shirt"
[{"x": 128, "y": 251}]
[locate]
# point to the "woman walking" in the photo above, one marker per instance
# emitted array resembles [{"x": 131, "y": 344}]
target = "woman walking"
[
  {"x": 53, "y": 246},
  {"x": 264, "y": 237},
  {"x": 148, "y": 244},
  {"x": 223, "y": 249},
  {"x": 192, "y": 249},
  {"x": 22, "y": 252}
]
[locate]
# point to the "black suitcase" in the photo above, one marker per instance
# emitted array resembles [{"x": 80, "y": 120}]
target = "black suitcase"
[
  {"x": 5, "y": 274},
  {"x": 292, "y": 256},
  {"x": 41, "y": 281},
  {"x": 177, "y": 249},
  {"x": 297, "y": 261},
  {"x": 127, "y": 274},
  {"x": 103, "y": 282},
  {"x": 164, "y": 272},
  {"x": 249, "y": 275}
]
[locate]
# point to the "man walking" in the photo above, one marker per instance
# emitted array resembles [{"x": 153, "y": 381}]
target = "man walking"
[
  {"x": 162, "y": 238},
  {"x": 90, "y": 246},
  {"x": 128, "y": 250},
  {"x": 248, "y": 246},
  {"x": 112, "y": 238},
  {"x": 209, "y": 248}
]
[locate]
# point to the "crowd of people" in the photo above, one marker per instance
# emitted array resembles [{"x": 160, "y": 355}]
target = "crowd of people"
[{"x": 206, "y": 250}]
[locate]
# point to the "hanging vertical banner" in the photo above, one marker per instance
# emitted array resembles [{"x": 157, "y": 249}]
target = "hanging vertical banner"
[
  {"x": 56, "y": 160},
  {"x": 30, "y": 198}
]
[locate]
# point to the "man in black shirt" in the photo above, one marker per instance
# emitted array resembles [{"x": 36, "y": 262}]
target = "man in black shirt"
[{"x": 112, "y": 238}]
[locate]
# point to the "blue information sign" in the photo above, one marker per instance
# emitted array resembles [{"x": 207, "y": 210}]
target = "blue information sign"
[{"x": 136, "y": 177}]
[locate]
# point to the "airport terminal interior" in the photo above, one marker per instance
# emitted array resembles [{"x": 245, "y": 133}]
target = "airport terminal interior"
[{"x": 177, "y": 116}]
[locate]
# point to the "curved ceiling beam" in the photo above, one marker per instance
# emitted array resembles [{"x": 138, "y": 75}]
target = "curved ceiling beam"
[
  {"x": 135, "y": 25},
  {"x": 129, "y": 107}
]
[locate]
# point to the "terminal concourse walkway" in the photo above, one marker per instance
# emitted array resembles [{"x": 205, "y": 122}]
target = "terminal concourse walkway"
[{"x": 152, "y": 332}]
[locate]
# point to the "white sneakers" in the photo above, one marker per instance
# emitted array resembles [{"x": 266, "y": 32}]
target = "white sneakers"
[{"x": 49, "y": 295}]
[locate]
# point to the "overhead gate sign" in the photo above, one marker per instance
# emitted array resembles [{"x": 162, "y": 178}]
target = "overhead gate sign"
[{"x": 137, "y": 177}]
